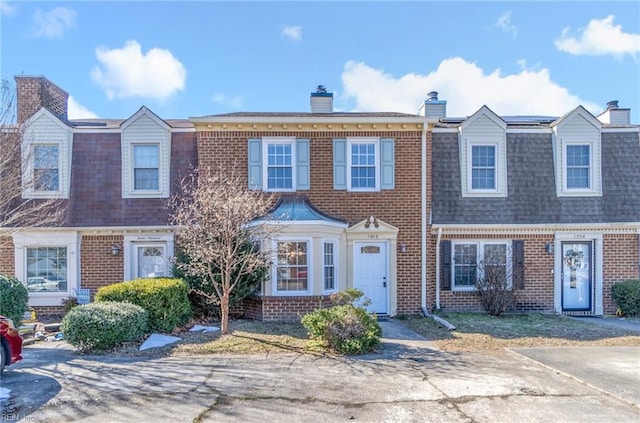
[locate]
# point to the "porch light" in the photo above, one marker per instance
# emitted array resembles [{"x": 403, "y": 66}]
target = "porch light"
[
  {"x": 549, "y": 247},
  {"x": 115, "y": 250},
  {"x": 403, "y": 248}
]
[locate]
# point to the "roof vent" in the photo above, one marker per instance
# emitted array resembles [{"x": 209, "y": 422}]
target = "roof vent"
[
  {"x": 613, "y": 104},
  {"x": 321, "y": 101}
]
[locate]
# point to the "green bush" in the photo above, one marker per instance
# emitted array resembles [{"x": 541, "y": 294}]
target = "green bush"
[
  {"x": 626, "y": 294},
  {"x": 165, "y": 300},
  {"x": 13, "y": 298},
  {"x": 97, "y": 327},
  {"x": 346, "y": 328}
]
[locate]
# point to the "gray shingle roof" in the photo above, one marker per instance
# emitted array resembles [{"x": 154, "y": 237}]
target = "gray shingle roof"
[{"x": 531, "y": 185}]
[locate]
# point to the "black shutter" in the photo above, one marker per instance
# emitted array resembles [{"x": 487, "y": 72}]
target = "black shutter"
[
  {"x": 518, "y": 264},
  {"x": 445, "y": 268}
]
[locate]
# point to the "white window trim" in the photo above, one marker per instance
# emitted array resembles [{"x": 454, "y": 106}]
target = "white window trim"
[
  {"x": 31, "y": 177},
  {"x": 480, "y": 256},
  {"x": 335, "y": 265},
  {"x": 578, "y": 191},
  {"x": 146, "y": 128},
  {"x": 130, "y": 252},
  {"x": 497, "y": 175},
  {"x": 500, "y": 168},
  {"x": 274, "y": 267},
  {"x": 265, "y": 160},
  {"x": 34, "y": 239},
  {"x": 145, "y": 192},
  {"x": 364, "y": 140}
]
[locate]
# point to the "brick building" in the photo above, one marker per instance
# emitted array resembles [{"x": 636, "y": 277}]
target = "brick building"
[{"x": 557, "y": 200}]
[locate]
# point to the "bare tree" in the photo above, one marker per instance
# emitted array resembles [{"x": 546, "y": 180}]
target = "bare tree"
[
  {"x": 494, "y": 286},
  {"x": 17, "y": 176},
  {"x": 215, "y": 216}
]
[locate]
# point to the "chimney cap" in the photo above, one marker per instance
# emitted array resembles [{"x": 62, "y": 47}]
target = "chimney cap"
[
  {"x": 613, "y": 104},
  {"x": 432, "y": 96}
]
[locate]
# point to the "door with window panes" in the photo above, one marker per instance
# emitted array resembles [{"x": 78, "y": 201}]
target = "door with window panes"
[{"x": 150, "y": 260}]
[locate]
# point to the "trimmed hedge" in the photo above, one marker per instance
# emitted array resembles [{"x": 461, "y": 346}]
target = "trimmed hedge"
[
  {"x": 626, "y": 294},
  {"x": 14, "y": 298},
  {"x": 97, "y": 327},
  {"x": 166, "y": 300}
]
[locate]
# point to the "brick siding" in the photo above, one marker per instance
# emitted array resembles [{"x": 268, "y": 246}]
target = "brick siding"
[
  {"x": 34, "y": 92},
  {"x": 399, "y": 207},
  {"x": 98, "y": 267}
]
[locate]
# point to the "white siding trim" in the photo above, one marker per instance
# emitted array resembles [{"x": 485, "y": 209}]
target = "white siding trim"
[
  {"x": 44, "y": 129},
  {"x": 145, "y": 128}
]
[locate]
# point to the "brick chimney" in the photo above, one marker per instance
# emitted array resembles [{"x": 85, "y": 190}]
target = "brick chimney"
[
  {"x": 432, "y": 107},
  {"x": 34, "y": 92},
  {"x": 321, "y": 101},
  {"x": 614, "y": 115}
]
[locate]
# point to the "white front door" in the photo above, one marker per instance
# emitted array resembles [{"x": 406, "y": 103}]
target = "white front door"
[
  {"x": 150, "y": 260},
  {"x": 370, "y": 274}
]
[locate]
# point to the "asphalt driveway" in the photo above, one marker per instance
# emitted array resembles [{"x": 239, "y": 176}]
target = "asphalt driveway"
[{"x": 407, "y": 380}]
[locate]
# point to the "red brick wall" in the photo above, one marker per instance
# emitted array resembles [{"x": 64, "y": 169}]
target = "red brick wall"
[
  {"x": 7, "y": 263},
  {"x": 621, "y": 261},
  {"x": 399, "y": 207},
  {"x": 537, "y": 294},
  {"x": 98, "y": 267},
  {"x": 279, "y": 309},
  {"x": 34, "y": 92}
]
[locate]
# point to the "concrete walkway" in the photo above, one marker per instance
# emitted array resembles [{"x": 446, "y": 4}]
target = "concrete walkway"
[{"x": 406, "y": 380}]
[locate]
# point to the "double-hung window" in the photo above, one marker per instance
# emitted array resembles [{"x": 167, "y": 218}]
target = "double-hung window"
[
  {"x": 363, "y": 165},
  {"x": 146, "y": 167},
  {"x": 46, "y": 172},
  {"x": 279, "y": 164},
  {"x": 483, "y": 167},
  {"x": 292, "y": 266},
  {"x": 280, "y": 160},
  {"x": 578, "y": 168},
  {"x": 475, "y": 260},
  {"x": 329, "y": 262}
]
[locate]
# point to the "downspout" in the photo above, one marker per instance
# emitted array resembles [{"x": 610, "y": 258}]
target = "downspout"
[
  {"x": 423, "y": 218},
  {"x": 438, "y": 269}
]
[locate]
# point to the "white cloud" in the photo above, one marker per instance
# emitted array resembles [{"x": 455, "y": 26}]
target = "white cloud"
[
  {"x": 293, "y": 33},
  {"x": 54, "y": 23},
  {"x": 464, "y": 86},
  {"x": 76, "y": 110},
  {"x": 227, "y": 101},
  {"x": 128, "y": 72},
  {"x": 6, "y": 8},
  {"x": 504, "y": 23},
  {"x": 599, "y": 38}
]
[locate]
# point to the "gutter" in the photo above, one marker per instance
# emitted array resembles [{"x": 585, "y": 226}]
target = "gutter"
[
  {"x": 423, "y": 218},
  {"x": 438, "y": 269}
]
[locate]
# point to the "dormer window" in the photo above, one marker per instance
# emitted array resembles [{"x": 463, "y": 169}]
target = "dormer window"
[
  {"x": 146, "y": 167},
  {"x": 47, "y": 143},
  {"x": 483, "y": 155},
  {"x": 577, "y": 146},
  {"x": 578, "y": 166},
  {"x": 483, "y": 167},
  {"x": 146, "y": 156},
  {"x": 46, "y": 168}
]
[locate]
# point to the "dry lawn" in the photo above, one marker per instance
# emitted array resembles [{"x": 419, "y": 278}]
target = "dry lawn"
[{"x": 475, "y": 331}]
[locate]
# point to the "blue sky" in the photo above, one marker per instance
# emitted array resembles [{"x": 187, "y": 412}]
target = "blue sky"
[{"x": 183, "y": 59}]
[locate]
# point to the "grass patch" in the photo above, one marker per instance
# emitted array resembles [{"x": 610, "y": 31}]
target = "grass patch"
[
  {"x": 476, "y": 331},
  {"x": 244, "y": 337}
]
